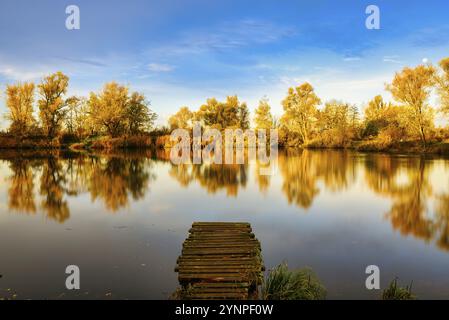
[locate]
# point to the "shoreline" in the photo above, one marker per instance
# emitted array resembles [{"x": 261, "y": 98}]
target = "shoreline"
[{"x": 433, "y": 150}]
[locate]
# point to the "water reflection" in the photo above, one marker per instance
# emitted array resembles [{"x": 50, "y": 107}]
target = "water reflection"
[
  {"x": 303, "y": 169},
  {"x": 113, "y": 179},
  {"x": 414, "y": 186},
  {"x": 21, "y": 187},
  {"x": 407, "y": 182},
  {"x": 212, "y": 177}
]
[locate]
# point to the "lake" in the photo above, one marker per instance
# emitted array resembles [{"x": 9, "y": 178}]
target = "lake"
[{"x": 122, "y": 218}]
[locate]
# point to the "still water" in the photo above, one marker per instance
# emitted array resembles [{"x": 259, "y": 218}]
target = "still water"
[{"x": 122, "y": 219}]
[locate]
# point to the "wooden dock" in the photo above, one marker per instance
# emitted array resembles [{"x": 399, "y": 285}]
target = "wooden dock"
[{"x": 220, "y": 260}]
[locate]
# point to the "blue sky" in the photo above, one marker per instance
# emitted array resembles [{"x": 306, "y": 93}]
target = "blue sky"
[{"x": 182, "y": 52}]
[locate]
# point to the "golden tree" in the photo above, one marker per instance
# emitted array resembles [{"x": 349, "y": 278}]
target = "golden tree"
[
  {"x": 300, "y": 108},
  {"x": 52, "y": 106},
  {"x": 243, "y": 116},
  {"x": 19, "y": 100},
  {"x": 337, "y": 123},
  {"x": 376, "y": 109},
  {"x": 263, "y": 118},
  {"x": 443, "y": 85},
  {"x": 222, "y": 115},
  {"x": 138, "y": 114},
  {"x": 411, "y": 87},
  {"x": 181, "y": 119},
  {"x": 108, "y": 109}
]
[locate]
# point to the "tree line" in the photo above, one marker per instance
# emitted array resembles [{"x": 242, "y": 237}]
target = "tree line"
[
  {"x": 306, "y": 121},
  {"x": 113, "y": 111}
]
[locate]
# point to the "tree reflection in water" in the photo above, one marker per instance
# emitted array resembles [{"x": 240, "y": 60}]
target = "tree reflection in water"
[
  {"x": 112, "y": 178},
  {"x": 303, "y": 169},
  {"x": 46, "y": 182},
  {"x": 21, "y": 187},
  {"x": 212, "y": 177}
]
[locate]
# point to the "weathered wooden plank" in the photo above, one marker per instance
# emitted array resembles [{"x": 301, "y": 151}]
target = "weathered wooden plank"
[
  {"x": 225, "y": 224},
  {"x": 230, "y": 277},
  {"x": 218, "y": 269},
  {"x": 220, "y": 285},
  {"x": 218, "y": 263},
  {"x": 220, "y": 245},
  {"x": 205, "y": 234},
  {"x": 226, "y": 296},
  {"x": 219, "y": 251},
  {"x": 219, "y": 290},
  {"x": 220, "y": 260}
]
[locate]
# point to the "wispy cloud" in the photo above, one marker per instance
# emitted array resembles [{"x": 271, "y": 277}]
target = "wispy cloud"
[
  {"x": 84, "y": 61},
  {"x": 350, "y": 59},
  {"x": 225, "y": 36},
  {"x": 392, "y": 59},
  {"x": 159, "y": 67},
  {"x": 431, "y": 37},
  {"x": 16, "y": 74}
]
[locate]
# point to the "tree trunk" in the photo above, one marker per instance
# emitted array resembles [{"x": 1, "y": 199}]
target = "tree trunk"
[{"x": 423, "y": 137}]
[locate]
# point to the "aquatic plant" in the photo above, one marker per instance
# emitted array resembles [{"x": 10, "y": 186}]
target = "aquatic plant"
[
  {"x": 301, "y": 284},
  {"x": 394, "y": 292}
]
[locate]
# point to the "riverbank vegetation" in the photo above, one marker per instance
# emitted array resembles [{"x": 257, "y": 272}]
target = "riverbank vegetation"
[
  {"x": 116, "y": 118},
  {"x": 405, "y": 125},
  {"x": 395, "y": 292},
  {"x": 112, "y": 118},
  {"x": 284, "y": 284}
]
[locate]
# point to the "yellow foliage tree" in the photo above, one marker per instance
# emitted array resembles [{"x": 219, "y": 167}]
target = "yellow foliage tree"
[
  {"x": 77, "y": 118},
  {"x": 108, "y": 109},
  {"x": 181, "y": 119},
  {"x": 222, "y": 115},
  {"x": 139, "y": 117},
  {"x": 411, "y": 87},
  {"x": 263, "y": 118},
  {"x": 19, "y": 100},
  {"x": 300, "y": 107},
  {"x": 52, "y": 106},
  {"x": 443, "y": 85},
  {"x": 337, "y": 123}
]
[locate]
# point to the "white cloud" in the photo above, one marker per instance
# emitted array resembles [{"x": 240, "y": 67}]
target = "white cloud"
[
  {"x": 16, "y": 74},
  {"x": 392, "y": 59},
  {"x": 350, "y": 59},
  {"x": 225, "y": 36},
  {"x": 160, "y": 67}
]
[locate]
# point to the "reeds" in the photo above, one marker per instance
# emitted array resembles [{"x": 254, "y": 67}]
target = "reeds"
[
  {"x": 301, "y": 284},
  {"x": 394, "y": 292}
]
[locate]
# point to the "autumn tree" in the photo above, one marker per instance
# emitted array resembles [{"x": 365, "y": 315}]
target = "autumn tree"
[
  {"x": 443, "y": 85},
  {"x": 383, "y": 120},
  {"x": 19, "y": 100},
  {"x": 220, "y": 115},
  {"x": 411, "y": 87},
  {"x": 77, "y": 119},
  {"x": 300, "y": 108},
  {"x": 108, "y": 108},
  {"x": 181, "y": 119},
  {"x": 376, "y": 116},
  {"x": 337, "y": 123},
  {"x": 243, "y": 116},
  {"x": 263, "y": 118},
  {"x": 138, "y": 114},
  {"x": 52, "y": 106}
]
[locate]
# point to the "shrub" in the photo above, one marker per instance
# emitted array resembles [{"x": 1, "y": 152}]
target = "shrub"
[
  {"x": 393, "y": 292},
  {"x": 283, "y": 284}
]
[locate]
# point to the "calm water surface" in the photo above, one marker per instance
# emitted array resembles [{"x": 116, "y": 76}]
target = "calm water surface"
[{"x": 122, "y": 219}]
